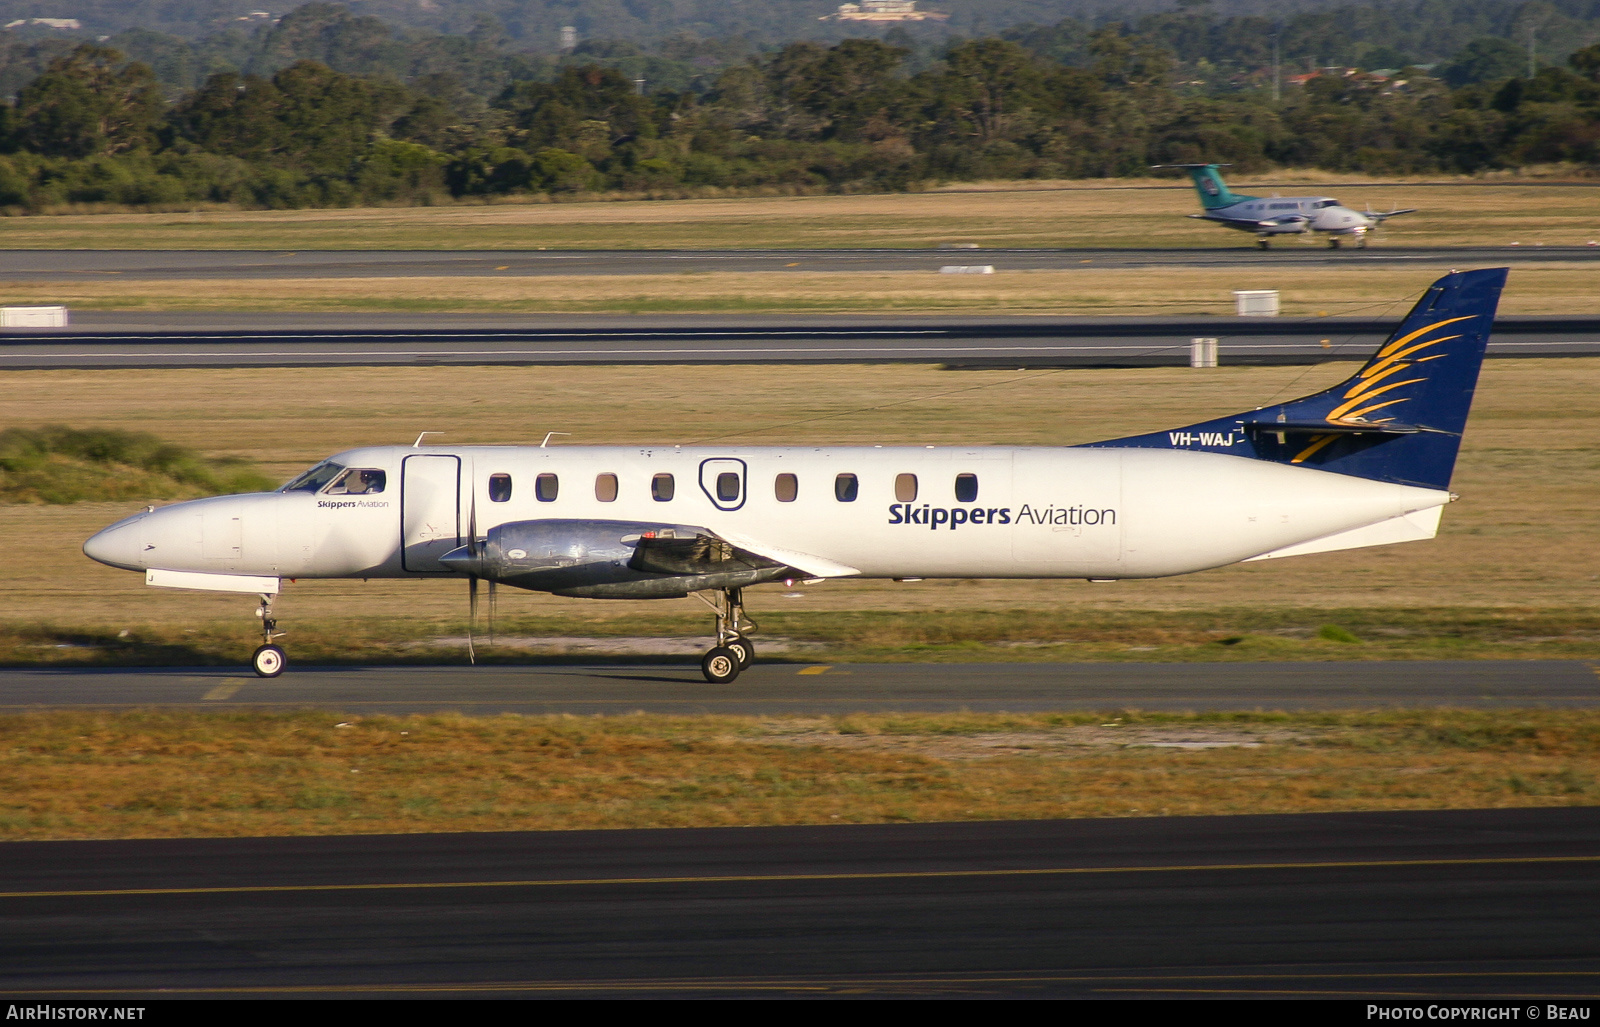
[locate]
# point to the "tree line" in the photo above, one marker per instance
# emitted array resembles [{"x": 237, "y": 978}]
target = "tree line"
[{"x": 863, "y": 114}]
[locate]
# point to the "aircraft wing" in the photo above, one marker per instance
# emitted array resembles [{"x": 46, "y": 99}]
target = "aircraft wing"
[
  {"x": 1252, "y": 223},
  {"x": 815, "y": 566},
  {"x": 1381, "y": 215}
]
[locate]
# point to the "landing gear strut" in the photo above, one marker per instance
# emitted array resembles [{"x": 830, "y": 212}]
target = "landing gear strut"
[
  {"x": 268, "y": 660},
  {"x": 1262, "y": 242},
  {"x": 1333, "y": 242},
  {"x": 733, "y": 651}
]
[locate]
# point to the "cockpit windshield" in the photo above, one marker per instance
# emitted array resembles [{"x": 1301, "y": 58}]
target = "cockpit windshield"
[
  {"x": 314, "y": 479},
  {"x": 358, "y": 481}
]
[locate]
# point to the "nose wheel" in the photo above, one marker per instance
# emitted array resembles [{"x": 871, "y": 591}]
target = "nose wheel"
[
  {"x": 733, "y": 651},
  {"x": 268, "y": 660}
]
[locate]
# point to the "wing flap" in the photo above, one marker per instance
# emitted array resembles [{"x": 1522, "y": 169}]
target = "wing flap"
[{"x": 815, "y": 566}]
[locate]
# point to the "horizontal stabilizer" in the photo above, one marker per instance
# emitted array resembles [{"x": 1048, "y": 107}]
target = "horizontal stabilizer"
[{"x": 1334, "y": 427}]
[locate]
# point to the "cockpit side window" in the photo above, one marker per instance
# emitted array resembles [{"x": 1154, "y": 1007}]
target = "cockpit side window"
[
  {"x": 314, "y": 479},
  {"x": 358, "y": 481}
]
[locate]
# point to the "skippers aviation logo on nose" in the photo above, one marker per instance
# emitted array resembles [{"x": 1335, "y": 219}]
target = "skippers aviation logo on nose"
[{"x": 1395, "y": 359}]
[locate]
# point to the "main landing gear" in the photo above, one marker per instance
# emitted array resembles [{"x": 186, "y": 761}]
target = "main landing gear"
[
  {"x": 268, "y": 660},
  {"x": 1263, "y": 243},
  {"x": 733, "y": 651}
]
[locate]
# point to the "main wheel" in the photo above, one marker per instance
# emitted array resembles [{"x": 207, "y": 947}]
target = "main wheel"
[
  {"x": 1333, "y": 242},
  {"x": 1263, "y": 244},
  {"x": 721, "y": 665},
  {"x": 268, "y": 661},
  {"x": 744, "y": 649}
]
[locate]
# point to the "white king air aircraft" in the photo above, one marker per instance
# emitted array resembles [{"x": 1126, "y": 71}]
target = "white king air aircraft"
[
  {"x": 1279, "y": 215},
  {"x": 1365, "y": 463}
]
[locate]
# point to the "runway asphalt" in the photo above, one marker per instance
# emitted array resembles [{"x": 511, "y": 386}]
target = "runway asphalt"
[
  {"x": 955, "y": 342},
  {"x": 1388, "y": 907},
  {"x": 801, "y": 689},
  {"x": 183, "y": 265}
]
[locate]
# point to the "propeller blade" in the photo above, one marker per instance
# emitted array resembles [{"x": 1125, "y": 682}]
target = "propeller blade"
[
  {"x": 472, "y": 615},
  {"x": 491, "y": 611}
]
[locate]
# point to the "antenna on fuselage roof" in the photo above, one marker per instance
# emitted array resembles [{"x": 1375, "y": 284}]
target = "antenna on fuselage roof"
[
  {"x": 420, "y": 436},
  {"x": 549, "y": 434}
]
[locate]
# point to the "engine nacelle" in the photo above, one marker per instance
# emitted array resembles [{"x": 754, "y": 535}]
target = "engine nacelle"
[{"x": 610, "y": 559}]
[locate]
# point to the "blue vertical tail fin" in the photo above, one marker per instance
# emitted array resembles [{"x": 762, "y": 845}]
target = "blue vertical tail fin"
[{"x": 1398, "y": 419}]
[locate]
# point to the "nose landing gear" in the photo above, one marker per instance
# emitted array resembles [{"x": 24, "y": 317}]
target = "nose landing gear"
[
  {"x": 733, "y": 651},
  {"x": 268, "y": 659}
]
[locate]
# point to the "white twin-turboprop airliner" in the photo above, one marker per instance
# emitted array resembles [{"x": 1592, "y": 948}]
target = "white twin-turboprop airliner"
[{"x": 1365, "y": 463}]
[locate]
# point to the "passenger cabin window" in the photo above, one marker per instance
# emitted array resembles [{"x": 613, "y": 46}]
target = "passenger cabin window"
[
  {"x": 499, "y": 488},
  {"x": 786, "y": 487},
  {"x": 358, "y": 481},
  {"x": 845, "y": 488},
  {"x": 905, "y": 488},
  {"x": 314, "y": 479},
  {"x": 727, "y": 487},
  {"x": 545, "y": 487},
  {"x": 966, "y": 488},
  {"x": 605, "y": 488},
  {"x": 662, "y": 488}
]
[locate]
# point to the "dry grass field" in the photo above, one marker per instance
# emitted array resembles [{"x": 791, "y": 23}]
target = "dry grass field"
[
  {"x": 1067, "y": 214},
  {"x": 1376, "y": 291},
  {"x": 1519, "y": 556},
  {"x": 176, "y": 774}
]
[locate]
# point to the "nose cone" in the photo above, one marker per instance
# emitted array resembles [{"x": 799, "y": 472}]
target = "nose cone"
[{"x": 121, "y": 545}]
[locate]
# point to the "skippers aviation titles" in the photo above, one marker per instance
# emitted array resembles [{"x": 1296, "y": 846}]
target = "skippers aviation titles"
[{"x": 1365, "y": 463}]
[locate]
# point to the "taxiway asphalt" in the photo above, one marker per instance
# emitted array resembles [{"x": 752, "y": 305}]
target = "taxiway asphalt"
[
  {"x": 1398, "y": 906},
  {"x": 677, "y": 687},
  {"x": 189, "y": 265},
  {"x": 955, "y": 342}
]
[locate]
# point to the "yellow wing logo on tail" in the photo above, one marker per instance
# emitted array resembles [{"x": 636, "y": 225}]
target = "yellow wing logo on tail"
[{"x": 1388, "y": 361}]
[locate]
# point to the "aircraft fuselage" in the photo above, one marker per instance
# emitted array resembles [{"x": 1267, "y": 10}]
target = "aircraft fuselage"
[{"x": 880, "y": 512}]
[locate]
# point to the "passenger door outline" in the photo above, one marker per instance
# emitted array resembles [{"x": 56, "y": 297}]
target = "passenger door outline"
[{"x": 430, "y": 511}]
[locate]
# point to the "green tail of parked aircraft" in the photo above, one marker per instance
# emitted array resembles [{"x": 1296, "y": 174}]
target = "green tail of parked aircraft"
[{"x": 1279, "y": 215}]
